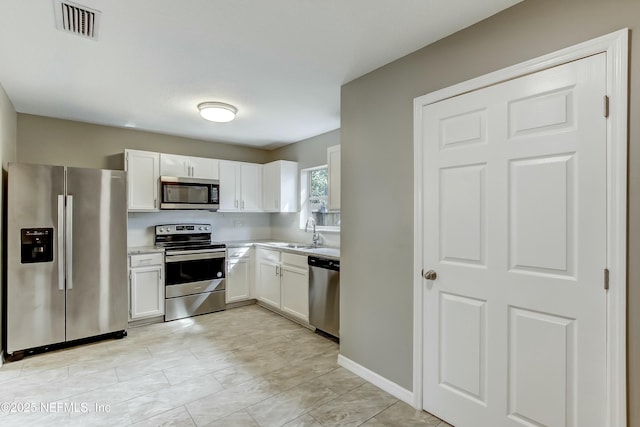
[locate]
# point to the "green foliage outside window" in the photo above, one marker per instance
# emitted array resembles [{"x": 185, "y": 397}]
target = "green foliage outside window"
[{"x": 318, "y": 192}]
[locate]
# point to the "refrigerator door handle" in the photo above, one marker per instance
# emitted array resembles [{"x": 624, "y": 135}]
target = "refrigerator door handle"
[
  {"x": 61, "y": 259},
  {"x": 69, "y": 241}
]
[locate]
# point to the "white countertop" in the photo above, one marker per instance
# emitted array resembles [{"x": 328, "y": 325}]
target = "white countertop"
[
  {"x": 300, "y": 248},
  {"x": 294, "y": 247},
  {"x": 132, "y": 250}
]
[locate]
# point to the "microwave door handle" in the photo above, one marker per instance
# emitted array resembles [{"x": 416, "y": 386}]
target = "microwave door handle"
[{"x": 60, "y": 236}]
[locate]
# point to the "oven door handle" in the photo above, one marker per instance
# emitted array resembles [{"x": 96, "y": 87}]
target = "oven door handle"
[{"x": 194, "y": 256}]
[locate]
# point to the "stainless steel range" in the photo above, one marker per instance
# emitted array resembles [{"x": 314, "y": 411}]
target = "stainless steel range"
[{"x": 194, "y": 270}]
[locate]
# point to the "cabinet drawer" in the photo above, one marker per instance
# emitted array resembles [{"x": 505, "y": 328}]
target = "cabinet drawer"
[
  {"x": 143, "y": 260},
  {"x": 293, "y": 259},
  {"x": 267, "y": 254}
]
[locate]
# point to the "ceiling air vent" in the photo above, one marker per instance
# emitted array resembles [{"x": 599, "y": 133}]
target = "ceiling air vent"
[{"x": 77, "y": 19}]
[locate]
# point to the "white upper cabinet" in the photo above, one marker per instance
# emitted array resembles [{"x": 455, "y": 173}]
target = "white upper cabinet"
[
  {"x": 205, "y": 168},
  {"x": 143, "y": 171},
  {"x": 240, "y": 186},
  {"x": 333, "y": 161},
  {"x": 279, "y": 186},
  {"x": 174, "y": 165},
  {"x": 229, "y": 186},
  {"x": 187, "y": 166},
  {"x": 251, "y": 186}
]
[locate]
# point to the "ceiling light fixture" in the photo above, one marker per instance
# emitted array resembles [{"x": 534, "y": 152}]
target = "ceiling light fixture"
[{"x": 217, "y": 111}]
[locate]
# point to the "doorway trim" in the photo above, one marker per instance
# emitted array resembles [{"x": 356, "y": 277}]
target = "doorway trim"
[{"x": 616, "y": 47}]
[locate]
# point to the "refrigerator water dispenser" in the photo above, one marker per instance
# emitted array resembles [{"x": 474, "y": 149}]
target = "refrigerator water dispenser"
[{"x": 36, "y": 245}]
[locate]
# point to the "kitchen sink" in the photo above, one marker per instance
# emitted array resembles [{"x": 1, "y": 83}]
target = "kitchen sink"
[
  {"x": 294, "y": 245},
  {"x": 308, "y": 248},
  {"x": 297, "y": 246}
]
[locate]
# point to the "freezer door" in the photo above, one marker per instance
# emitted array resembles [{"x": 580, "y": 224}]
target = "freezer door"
[
  {"x": 35, "y": 296},
  {"x": 96, "y": 238}
]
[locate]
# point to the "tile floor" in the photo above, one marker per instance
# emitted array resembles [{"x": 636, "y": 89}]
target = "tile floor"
[{"x": 241, "y": 367}]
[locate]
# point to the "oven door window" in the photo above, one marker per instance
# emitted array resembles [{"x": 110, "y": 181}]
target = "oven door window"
[
  {"x": 194, "y": 270},
  {"x": 185, "y": 193}
]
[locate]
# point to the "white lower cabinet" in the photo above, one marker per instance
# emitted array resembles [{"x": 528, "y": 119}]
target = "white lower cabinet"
[
  {"x": 294, "y": 285},
  {"x": 269, "y": 283},
  {"x": 283, "y": 282},
  {"x": 146, "y": 286},
  {"x": 268, "y": 277},
  {"x": 238, "y": 274}
]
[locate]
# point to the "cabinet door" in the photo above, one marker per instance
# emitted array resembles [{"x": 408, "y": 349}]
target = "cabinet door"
[
  {"x": 269, "y": 283},
  {"x": 143, "y": 172},
  {"x": 147, "y": 292},
  {"x": 228, "y": 186},
  {"x": 333, "y": 161},
  {"x": 238, "y": 280},
  {"x": 289, "y": 179},
  {"x": 204, "y": 168},
  {"x": 174, "y": 165},
  {"x": 251, "y": 187},
  {"x": 295, "y": 291},
  {"x": 271, "y": 187}
]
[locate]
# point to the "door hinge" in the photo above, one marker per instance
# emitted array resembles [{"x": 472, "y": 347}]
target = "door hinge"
[
  {"x": 606, "y": 106},
  {"x": 606, "y": 279}
]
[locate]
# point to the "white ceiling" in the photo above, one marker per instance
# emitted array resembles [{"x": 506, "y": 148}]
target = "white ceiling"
[{"x": 280, "y": 62}]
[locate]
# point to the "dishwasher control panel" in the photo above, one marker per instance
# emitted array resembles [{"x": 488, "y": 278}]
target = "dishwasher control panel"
[{"x": 330, "y": 264}]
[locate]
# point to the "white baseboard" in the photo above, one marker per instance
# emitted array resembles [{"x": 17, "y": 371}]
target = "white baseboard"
[{"x": 377, "y": 380}]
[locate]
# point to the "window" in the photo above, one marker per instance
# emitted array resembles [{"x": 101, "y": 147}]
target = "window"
[{"x": 314, "y": 184}]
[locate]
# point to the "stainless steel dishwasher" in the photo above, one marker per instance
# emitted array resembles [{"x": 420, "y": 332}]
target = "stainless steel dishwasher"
[{"x": 324, "y": 295}]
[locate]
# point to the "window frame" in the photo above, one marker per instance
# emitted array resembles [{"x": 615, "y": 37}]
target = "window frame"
[{"x": 305, "y": 208}]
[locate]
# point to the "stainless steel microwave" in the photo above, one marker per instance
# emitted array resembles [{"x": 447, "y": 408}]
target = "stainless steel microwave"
[{"x": 189, "y": 193}]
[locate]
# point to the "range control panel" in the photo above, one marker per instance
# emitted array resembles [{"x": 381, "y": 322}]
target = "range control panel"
[{"x": 182, "y": 229}]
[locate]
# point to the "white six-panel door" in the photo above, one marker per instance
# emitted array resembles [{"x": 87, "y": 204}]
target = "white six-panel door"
[{"x": 514, "y": 226}]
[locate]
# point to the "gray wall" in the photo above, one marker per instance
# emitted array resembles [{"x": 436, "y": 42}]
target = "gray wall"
[
  {"x": 8, "y": 138},
  {"x": 63, "y": 142},
  {"x": 308, "y": 153},
  {"x": 47, "y": 140},
  {"x": 377, "y": 148}
]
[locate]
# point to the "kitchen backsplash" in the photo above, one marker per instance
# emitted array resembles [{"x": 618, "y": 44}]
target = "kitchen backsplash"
[
  {"x": 286, "y": 227},
  {"x": 226, "y": 226}
]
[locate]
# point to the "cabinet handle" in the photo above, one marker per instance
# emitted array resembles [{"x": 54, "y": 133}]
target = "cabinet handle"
[
  {"x": 243, "y": 204},
  {"x": 235, "y": 203},
  {"x": 277, "y": 268}
]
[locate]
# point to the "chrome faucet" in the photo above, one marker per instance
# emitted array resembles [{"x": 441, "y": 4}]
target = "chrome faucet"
[{"x": 316, "y": 236}]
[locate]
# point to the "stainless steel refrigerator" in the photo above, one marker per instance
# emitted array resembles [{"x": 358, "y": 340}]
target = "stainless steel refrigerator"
[{"x": 66, "y": 255}]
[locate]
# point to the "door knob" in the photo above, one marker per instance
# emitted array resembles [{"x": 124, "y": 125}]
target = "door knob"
[{"x": 430, "y": 275}]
